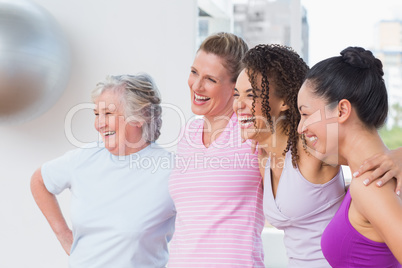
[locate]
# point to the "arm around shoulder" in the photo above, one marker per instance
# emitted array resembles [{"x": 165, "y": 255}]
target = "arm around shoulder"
[
  {"x": 50, "y": 208},
  {"x": 385, "y": 167}
]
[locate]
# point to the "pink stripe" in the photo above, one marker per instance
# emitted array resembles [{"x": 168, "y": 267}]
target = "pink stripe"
[{"x": 218, "y": 197}]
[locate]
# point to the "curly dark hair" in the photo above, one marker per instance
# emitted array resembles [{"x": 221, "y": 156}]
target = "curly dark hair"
[{"x": 283, "y": 67}]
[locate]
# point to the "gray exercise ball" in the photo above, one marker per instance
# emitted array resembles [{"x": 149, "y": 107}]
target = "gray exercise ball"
[{"x": 34, "y": 61}]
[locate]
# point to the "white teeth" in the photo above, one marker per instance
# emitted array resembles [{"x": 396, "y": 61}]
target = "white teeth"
[
  {"x": 246, "y": 118},
  {"x": 198, "y": 97},
  {"x": 109, "y": 133},
  {"x": 313, "y": 138},
  {"x": 246, "y": 124},
  {"x": 246, "y": 121}
]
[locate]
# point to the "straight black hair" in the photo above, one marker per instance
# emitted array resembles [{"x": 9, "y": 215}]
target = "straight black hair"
[{"x": 357, "y": 76}]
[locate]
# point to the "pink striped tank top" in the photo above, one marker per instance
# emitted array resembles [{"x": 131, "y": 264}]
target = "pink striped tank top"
[{"x": 217, "y": 192}]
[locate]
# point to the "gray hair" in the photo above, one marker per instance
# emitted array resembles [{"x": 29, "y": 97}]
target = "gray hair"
[{"x": 140, "y": 98}]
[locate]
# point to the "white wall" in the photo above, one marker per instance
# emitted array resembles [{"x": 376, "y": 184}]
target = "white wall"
[
  {"x": 274, "y": 248},
  {"x": 107, "y": 37}
]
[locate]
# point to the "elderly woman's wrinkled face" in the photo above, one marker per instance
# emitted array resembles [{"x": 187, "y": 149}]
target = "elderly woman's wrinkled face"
[{"x": 119, "y": 136}]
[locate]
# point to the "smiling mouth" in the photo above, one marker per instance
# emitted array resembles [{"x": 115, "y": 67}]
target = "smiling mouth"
[
  {"x": 109, "y": 133},
  {"x": 312, "y": 139},
  {"x": 199, "y": 98},
  {"x": 246, "y": 121}
]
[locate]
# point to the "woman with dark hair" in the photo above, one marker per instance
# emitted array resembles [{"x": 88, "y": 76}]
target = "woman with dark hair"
[
  {"x": 301, "y": 193},
  {"x": 349, "y": 94}
]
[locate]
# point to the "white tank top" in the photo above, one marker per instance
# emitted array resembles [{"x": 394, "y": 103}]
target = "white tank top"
[{"x": 302, "y": 209}]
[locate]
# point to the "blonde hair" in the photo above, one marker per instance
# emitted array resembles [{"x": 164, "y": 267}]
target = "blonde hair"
[{"x": 230, "y": 48}]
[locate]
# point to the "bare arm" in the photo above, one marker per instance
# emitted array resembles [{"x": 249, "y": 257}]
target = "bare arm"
[
  {"x": 385, "y": 167},
  {"x": 383, "y": 210},
  {"x": 50, "y": 208}
]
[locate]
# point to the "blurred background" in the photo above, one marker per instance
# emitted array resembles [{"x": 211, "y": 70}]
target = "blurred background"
[{"x": 159, "y": 37}]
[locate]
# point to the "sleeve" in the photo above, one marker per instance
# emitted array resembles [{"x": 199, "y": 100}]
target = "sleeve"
[{"x": 57, "y": 173}]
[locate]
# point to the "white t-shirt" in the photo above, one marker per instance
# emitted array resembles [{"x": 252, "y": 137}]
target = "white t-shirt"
[{"x": 121, "y": 211}]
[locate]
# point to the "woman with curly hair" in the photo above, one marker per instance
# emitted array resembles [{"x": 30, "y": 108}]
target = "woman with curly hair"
[{"x": 301, "y": 193}]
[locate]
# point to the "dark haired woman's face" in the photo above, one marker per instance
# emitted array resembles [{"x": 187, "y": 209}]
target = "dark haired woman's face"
[
  {"x": 253, "y": 126},
  {"x": 318, "y": 124}
]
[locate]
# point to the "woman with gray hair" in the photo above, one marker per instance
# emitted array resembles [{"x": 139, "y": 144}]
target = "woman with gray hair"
[
  {"x": 140, "y": 98},
  {"x": 121, "y": 212}
]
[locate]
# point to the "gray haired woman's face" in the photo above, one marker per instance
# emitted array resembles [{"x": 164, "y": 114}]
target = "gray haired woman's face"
[{"x": 120, "y": 136}]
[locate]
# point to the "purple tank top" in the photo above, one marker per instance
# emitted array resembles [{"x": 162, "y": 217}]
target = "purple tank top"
[{"x": 343, "y": 246}]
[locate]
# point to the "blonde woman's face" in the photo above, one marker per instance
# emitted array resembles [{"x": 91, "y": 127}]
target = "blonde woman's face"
[{"x": 210, "y": 86}]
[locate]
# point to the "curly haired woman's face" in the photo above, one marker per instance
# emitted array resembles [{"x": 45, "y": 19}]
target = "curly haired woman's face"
[
  {"x": 253, "y": 125},
  {"x": 119, "y": 136},
  {"x": 211, "y": 86}
]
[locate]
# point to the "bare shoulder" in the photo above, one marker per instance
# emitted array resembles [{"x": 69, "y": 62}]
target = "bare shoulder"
[
  {"x": 357, "y": 186},
  {"x": 371, "y": 196}
]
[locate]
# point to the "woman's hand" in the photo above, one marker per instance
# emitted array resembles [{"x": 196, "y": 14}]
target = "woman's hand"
[{"x": 385, "y": 167}]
